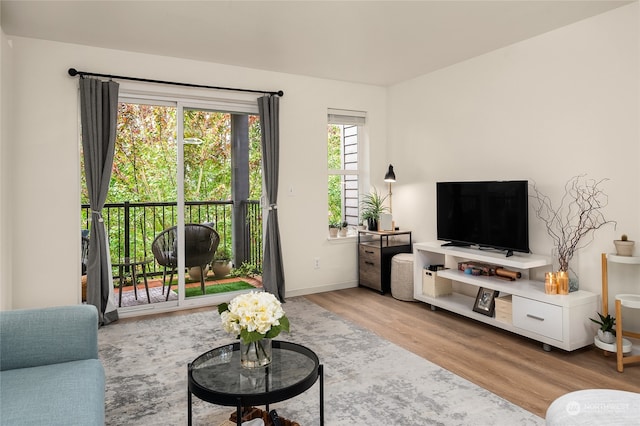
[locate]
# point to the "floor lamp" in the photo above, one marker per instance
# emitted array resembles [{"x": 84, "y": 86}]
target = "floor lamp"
[{"x": 390, "y": 177}]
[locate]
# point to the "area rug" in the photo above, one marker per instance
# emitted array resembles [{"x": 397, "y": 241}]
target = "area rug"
[
  {"x": 129, "y": 299},
  {"x": 368, "y": 380}
]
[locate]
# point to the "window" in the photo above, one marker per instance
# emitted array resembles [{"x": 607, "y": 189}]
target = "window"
[{"x": 343, "y": 131}]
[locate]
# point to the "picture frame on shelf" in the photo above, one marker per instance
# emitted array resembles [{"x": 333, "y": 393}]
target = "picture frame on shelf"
[{"x": 486, "y": 301}]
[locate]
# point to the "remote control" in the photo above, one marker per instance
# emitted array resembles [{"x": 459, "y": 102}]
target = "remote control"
[{"x": 274, "y": 418}]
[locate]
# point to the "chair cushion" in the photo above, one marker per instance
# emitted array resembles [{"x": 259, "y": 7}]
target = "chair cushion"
[{"x": 70, "y": 393}]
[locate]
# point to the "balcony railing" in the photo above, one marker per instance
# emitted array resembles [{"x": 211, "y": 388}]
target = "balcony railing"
[{"x": 132, "y": 227}]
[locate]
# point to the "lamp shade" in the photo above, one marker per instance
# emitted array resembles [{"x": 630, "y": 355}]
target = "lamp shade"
[{"x": 390, "y": 176}]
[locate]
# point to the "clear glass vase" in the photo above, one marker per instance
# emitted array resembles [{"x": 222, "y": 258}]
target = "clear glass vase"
[
  {"x": 255, "y": 354},
  {"x": 571, "y": 267}
]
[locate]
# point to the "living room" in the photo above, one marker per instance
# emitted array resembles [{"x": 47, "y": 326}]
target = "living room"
[
  {"x": 552, "y": 106},
  {"x": 545, "y": 109}
]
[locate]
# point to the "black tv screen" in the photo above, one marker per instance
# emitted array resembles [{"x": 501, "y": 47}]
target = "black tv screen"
[{"x": 492, "y": 214}]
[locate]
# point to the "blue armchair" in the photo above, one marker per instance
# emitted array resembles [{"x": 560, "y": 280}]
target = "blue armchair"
[{"x": 49, "y": 367}]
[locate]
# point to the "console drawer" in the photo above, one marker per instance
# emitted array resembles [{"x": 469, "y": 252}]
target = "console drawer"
[{"x": 538, "y": 317}]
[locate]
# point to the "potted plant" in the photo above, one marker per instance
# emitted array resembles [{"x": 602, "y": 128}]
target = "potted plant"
[
  {"x": 624, "y": 246},
  {"x": 344, "y": 228},
  {"x": 606, "y": 333},
  {"x": 372, "y": 206},
  {"x": 333, "y": 229},
  {"x": 221, "y": 264}
]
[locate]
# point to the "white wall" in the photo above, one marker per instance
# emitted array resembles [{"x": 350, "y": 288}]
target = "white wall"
[
  {"x": 546, "y": 109},
  {"x": 5, "y": 172},
  {"x": 45, "y": 185}
]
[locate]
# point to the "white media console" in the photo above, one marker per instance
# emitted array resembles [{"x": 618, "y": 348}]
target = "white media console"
[{"x": 560, "y": 321}]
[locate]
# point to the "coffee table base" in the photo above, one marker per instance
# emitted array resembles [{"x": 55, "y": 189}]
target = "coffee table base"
[{"x": 239, "y": 403}]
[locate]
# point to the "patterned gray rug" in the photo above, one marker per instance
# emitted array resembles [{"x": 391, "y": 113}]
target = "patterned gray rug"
[{"x": 368, "y": 380}]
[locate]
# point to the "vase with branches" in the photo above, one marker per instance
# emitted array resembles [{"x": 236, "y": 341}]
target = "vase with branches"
[{"x": 572, "y": 224}]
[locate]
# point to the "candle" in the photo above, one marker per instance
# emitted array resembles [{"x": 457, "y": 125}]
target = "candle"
[
  {"x": 550, "y": 283},
  {"x": 563, "y": 282}
]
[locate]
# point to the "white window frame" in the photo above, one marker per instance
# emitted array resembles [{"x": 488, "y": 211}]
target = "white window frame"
[{"x": 358, "y": 119}]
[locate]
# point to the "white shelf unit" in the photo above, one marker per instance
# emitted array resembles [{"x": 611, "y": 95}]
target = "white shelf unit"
[
  {"x": 560, "y": 321},
  {"x": 631, "y": 301}
]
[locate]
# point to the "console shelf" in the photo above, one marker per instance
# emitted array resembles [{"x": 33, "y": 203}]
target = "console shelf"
[{"x": 560, "y": 321}]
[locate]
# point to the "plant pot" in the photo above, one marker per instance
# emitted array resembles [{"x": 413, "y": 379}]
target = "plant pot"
[
  {"x": 606, "y": 336},
  {"x": 221, "y": 268},
  {"x": 624, "y": 247},
  {"x": 194, "y": 272},
  {"x": 372, "y": 224},
  {"x": 343, "y": 232},
  {"x": 333, "y": 232}
]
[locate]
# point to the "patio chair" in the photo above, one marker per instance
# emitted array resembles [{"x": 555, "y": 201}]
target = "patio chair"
[{"x": 201, "y": 242}]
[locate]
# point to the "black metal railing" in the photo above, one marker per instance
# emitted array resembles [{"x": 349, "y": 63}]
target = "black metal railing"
[{"x": 132, "y": 227}]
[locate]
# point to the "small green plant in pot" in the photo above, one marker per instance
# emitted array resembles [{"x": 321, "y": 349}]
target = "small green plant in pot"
[
  {"x": 372, "y": 206},
  {"x": 334, "y": 227},
  {"x": 221, "y": 264},
  {"x": 344, "y": 229},
  {"x": 624, "y": 246},
  {"x": 606, "y": 333}
]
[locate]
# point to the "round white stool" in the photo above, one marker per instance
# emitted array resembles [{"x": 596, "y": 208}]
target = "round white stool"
[
  {"x": 594, "y": 407},
  {"x": 402, "y": 276}
]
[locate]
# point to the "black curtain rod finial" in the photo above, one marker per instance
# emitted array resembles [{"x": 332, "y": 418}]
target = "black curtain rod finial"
[{"x": 73, "y": 72}]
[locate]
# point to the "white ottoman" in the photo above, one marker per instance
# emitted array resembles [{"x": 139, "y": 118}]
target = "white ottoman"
[
  {"x": 595, "y": 407},
  {"x": 402, "y": 277}
]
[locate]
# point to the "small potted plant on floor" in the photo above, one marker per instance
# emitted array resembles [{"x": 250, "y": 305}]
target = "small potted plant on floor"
[
  {"x": 606, "y": 333},
  {"x": 624, "y": 246},
  {"x": 221, "y": 264}
]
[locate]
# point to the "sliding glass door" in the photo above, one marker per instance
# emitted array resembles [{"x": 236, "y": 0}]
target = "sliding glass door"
[{"x": 181, "y": 168}]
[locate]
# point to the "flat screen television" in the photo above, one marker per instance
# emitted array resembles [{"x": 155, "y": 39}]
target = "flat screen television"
[{"x": 489, "y": 214}]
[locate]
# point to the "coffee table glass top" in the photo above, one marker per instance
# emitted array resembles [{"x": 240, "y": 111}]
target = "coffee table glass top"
[{"x": 217, "y": 376}]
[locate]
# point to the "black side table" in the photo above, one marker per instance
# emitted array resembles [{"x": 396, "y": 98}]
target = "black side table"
[
  {"x": 217, "y": 377},
  {"x": 131, "y": 263}
]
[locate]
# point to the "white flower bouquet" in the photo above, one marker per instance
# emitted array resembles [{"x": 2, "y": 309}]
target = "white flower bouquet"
[{"x": 254, "y": 316}]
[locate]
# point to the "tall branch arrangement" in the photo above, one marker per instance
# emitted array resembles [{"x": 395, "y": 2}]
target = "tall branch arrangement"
[{"x": 578, "y": 215}]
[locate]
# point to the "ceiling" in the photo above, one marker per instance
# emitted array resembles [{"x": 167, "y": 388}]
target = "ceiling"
[{"x": 372, "y": 42}]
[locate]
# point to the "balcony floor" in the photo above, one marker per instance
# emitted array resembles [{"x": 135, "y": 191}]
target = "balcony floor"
[{"x": 155, "y": 289}]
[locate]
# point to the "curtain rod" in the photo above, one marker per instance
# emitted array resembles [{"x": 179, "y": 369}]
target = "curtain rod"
[{"x": 73, "y": 72}]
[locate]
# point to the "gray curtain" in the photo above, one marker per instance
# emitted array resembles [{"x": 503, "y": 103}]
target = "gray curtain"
[
  {"x": 272, "y": 269},
  {"x": 98, "y": 110}
]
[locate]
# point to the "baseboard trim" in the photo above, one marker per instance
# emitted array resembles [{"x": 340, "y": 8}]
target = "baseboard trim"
[{"x": 320, "y": 289}]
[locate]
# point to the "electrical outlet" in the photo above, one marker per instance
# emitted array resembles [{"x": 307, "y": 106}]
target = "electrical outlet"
[{"x": 316, "y": 263}]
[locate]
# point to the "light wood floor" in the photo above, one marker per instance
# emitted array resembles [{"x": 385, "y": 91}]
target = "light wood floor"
[{"x": 511, "y": 366}]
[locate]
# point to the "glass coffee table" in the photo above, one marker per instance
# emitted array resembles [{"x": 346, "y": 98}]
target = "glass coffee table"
[{"x": 217, "y": 377}]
